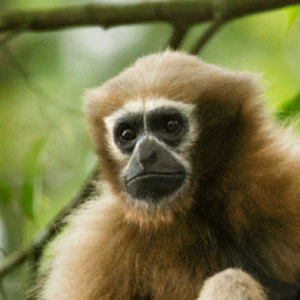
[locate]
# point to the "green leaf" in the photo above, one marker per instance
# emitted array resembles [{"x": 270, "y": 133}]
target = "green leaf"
[
  {"x": 30, "y": 171},
  {"x": 27, "y": 199},
  {"x": 292, "y": 13},
  {"x": 5, "y": 194},
  {"x": 32, "y": 156},
  {"x": 289, "y": 108}
]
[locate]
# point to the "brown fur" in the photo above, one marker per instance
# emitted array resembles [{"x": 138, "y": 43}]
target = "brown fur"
[{"x": 241, "y": 205}]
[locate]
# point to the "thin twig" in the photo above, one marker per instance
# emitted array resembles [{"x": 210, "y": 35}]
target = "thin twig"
[
  {"x": 9, "y": 37},
  {"x": 2, "y": 290},
  {"x": 35, "y": 87},
  {"x": 209, "y": 32},
  {"x": 51, "y": 229},
  {"x": 13, "y": 34},
  {"x": 177, "y": 36}
]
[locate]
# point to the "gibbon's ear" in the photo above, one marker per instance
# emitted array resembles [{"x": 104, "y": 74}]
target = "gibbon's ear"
[
  {"x": 92, "y": 109},
  {"x": 92, "y": 100},
  {"x": 97, "y": 104}
]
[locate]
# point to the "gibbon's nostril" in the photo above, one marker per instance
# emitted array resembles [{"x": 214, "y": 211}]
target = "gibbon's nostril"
[
  {"x": 148, "y": 153},
  {"x": 148, "y": 157}
]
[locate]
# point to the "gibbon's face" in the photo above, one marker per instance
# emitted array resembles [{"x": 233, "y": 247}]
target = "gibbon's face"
[
  {"x": 163, "y": 125},
  {"x": 151, "y": 138}
]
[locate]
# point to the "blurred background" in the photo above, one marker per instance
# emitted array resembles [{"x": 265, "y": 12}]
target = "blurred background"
[{"x": 45, "y": 149}]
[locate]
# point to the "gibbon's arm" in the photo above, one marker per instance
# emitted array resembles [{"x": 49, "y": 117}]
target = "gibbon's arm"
[{"x": 200, "y": 193}]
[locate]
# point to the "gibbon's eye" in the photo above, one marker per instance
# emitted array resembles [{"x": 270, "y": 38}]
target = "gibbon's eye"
[
  {"x": 172, "y": 126},
  {"x": 127, "y": 134}
]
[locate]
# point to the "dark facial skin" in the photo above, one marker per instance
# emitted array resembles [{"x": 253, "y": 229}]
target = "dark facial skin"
[{"x": 154, "y": 172}]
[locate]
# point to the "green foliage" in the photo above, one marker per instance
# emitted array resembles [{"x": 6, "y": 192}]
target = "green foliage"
[
  {"x": 289, "y": 108},
  {"x": 31, "y": 169},
  {"x": 5, "y": 193},
  {"x": 27, "y": 198},
  {"x": 292, "y": 13}
]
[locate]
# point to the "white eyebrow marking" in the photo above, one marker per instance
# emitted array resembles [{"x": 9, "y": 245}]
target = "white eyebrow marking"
[
  {"x": 153, "y": 104},
  {"x": 144, "y": 117},
  {"x": 136, "y": 107},
  {"x": 142, "y": 107}
]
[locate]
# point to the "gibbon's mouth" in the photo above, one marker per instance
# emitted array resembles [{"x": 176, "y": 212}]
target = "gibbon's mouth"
[
  {"x": 154, "y": 175},
  {"x": 154, "y": 186}
]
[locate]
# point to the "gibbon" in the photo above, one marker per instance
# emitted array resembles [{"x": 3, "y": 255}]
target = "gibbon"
[{"x": 199, "y": 192}]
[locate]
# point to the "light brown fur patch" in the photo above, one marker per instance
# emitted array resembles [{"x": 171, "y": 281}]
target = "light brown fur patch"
[{"x": 242, "y": 203}]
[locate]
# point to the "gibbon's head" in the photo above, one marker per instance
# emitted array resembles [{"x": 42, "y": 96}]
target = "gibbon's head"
[{"x": 160, "y": 127}]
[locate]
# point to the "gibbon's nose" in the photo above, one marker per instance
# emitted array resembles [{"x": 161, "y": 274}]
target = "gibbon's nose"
[
  {"x": 148, "y": 153},
  {"x": 152, "y": 158},
  {"x": 154, "y": 172}
]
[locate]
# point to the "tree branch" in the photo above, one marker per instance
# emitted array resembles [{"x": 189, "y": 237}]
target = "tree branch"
[
  {"x": 41, "y": 239},
  {"x": 177, "y": 36},
  {"x": 107, "y": 15},
  {"x": 212, "y": 29}
]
